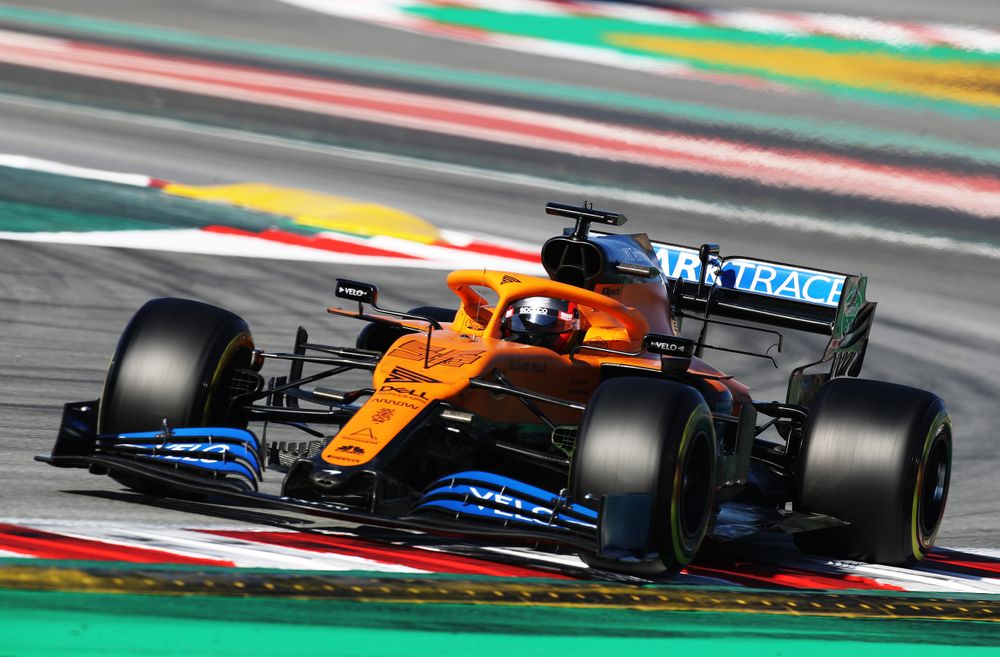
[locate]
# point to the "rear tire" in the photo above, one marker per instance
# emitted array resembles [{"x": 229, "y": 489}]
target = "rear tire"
[
  {"x": 878, "y": 456},
  {"x": 174, "y": 362},
  {"x": 654, "y": 437}
]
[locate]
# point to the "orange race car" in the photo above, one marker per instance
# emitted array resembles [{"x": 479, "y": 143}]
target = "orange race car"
[{"x": 566, "y": 410}]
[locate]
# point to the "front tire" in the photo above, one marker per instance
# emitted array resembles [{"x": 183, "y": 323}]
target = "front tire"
[
  {"x": 653, "y": 437},
  {"x": 878, "y": 456},
  {"x": 174, "y": 362}
]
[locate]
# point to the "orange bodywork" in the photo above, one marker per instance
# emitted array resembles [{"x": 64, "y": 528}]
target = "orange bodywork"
[{"x": 408, "y": 378}]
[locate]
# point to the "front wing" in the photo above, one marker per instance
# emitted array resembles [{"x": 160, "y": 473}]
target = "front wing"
[{"x": 224, "y": 464}]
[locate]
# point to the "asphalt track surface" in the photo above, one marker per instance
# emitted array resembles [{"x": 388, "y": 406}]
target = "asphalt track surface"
[{"x": 63, "y": 306}]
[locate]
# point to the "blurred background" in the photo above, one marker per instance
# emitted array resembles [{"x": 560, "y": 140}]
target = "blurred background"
[{"x": 392, "y": 140}]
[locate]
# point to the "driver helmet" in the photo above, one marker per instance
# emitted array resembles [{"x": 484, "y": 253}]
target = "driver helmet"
[{"x": 542, "y": 322}]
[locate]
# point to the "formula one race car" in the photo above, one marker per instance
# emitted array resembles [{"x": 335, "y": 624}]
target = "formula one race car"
[{"x": 566, "y": 411}]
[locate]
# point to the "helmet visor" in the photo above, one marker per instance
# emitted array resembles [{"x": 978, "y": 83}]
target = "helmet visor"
[{"x": 540, "y": 315}]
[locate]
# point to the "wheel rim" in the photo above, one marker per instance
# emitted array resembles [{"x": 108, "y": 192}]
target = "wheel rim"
[
  {"x": 934, "y": 488},
  {"x": 219, "y": 388},
  {"x": 696, "y": 488}
]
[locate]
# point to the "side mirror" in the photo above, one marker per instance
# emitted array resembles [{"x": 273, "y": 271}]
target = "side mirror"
[
  {"x": 669, "y": 345},
  {"x": 679, "y": 349},
  {"x": 368, "y": 293},
  {"x": 355, "y": 291}
]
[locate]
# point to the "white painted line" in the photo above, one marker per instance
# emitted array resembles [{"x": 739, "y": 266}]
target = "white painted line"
[
  {"x": 919, "y": 579},
  {"x": 448, "y": 257},
  {"x": 4, "y": 554},
  {"x": 244, "y": 553},
  {"x": 48, "y": 166},
  {"x": 195, "y": 544},
  {"x": 581, "y": 53},
  {"x": 247, "y": 553},
  {"x": 33, "y": 41},
  {"x": 993, "y": 553},
  {"x": 532, "y": 129},
  {"x": 178, "y": 240},
  {"x": 199, "y": 242},
  {"x": 965, "y": 37},
  {"x": 787, "y": 221}
]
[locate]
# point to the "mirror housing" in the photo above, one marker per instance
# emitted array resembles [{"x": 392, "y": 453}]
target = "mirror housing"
[
  {"x": 357, "y": 291},
  {"x": 669, "y": 345}
]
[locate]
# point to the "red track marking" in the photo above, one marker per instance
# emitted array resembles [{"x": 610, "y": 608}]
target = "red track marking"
[
  {"x": 485, "y": 248},
  {"x": 437, "y": 562},
  {"x": 977, "y": 195},
  {"x": 968, "y": 564},
  {"x": 47, "y": 545},
  {"x": 312, "y": 242},
  {"x": 448, "y": 31},
  {"x": 757, "y": 574}
]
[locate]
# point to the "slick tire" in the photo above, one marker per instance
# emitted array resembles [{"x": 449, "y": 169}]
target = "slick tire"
[
  {"x": 878, "y": 456},
  {"x": 657, "y": 438},
  {"x": 379, "y": 337},
  {"x": 174, "y": 362}
]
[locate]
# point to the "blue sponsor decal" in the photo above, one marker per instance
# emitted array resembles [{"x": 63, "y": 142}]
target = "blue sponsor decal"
[
  {"x": 757, "y": 276},
  {"x": 209, "y": 465},
  {"x": 215, "y": 454},
  {"x": 459, "y": 507},
  {"x": 508, "y": 486},
  {"x": 486, "y": 495},
  {"x": 226, "y": 451},
  {"x": 469, "y": 509},
  {"x": 207, "y": 434}
]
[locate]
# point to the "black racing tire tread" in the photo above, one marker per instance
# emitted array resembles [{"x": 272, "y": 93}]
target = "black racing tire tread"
[
  {"x": 631, "y": 437},
  {"x": 878, "y": 456},
  {"x": 170, "y": 363}
]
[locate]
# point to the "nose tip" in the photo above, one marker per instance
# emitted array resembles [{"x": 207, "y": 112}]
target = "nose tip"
[{"x": 326, "y": 478}]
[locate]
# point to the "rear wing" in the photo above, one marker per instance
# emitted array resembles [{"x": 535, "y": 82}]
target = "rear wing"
[
  {"x": 777, "y": 294},
  {"x": 772, "y": 293}
]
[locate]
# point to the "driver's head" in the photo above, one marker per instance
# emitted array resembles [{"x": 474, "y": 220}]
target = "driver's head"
[{"x": 541, "y": 321}]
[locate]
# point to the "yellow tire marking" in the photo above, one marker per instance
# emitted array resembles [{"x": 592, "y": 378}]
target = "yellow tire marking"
[{"x": 941, "y": 423}]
